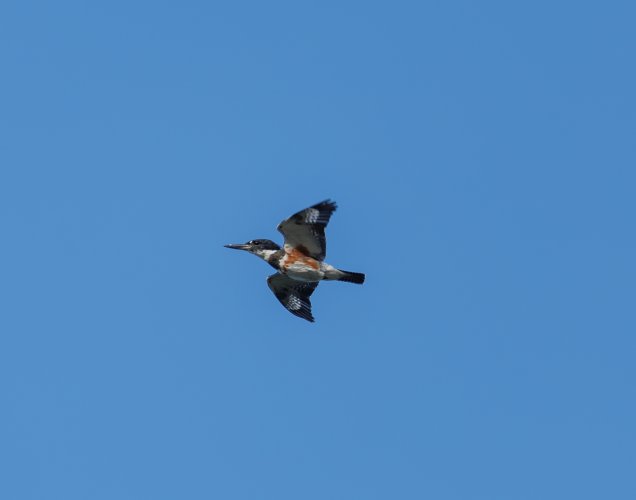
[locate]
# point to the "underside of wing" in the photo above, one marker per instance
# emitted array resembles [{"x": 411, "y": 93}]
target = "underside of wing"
[
  {"x": 305, "y": 230},
  {"x": 294, "y": 295}
]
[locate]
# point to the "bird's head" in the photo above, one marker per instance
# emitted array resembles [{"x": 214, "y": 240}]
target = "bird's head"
[{"x": 261, "y": 248}]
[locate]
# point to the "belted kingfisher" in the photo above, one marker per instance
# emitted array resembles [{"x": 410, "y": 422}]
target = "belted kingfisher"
[{"x": 300, "y": 263}]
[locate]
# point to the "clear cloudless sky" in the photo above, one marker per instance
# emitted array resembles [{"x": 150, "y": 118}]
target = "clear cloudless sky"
[{"x": 483, "y": 158}]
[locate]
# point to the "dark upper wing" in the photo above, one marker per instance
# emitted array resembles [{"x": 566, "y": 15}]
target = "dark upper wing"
[
  {"x": 294, "y": 295},
  {"x": 305, "y": 230}
]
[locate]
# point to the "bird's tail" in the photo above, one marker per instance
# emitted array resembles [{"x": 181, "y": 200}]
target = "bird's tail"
[{"x": 350, "y": 277}]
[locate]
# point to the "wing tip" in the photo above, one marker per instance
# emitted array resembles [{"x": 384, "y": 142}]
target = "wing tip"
[
  {"x": 328, "y": 204},
  {"x": 306, "y": 315}
]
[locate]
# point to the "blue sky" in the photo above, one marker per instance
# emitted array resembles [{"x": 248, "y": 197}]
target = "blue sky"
[{"x": 482, "y": 156}]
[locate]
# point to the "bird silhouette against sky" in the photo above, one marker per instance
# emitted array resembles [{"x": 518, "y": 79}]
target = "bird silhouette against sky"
[{"x": 301, "y": 262}]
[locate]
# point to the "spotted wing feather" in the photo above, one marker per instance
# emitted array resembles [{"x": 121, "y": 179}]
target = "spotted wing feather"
[
  {"x": 305, "y": 230},
  {"x": 294, "y": 295}
]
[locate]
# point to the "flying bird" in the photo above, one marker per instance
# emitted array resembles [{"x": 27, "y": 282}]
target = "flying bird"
[{"x": 301, "y": 262}]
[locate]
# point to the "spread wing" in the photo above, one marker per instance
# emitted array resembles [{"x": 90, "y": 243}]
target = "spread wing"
[
  {"x": 293, "y": 294},
  {"x": 305, "y": 230}
]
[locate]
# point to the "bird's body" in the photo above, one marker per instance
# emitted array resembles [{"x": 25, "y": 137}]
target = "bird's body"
[
  {"x": 300, "y": 263},
  {"x": 298, "y": 266}
]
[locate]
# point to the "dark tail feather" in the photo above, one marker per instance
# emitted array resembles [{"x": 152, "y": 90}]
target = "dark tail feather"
[{"x": 352, "y": 277}]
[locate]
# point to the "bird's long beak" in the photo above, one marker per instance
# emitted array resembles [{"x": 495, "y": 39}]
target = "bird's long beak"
[{"x": 237, "y": 246}]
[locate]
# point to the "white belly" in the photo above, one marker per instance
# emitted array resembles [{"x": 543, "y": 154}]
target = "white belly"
[{"x": 302, "y": 272}]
